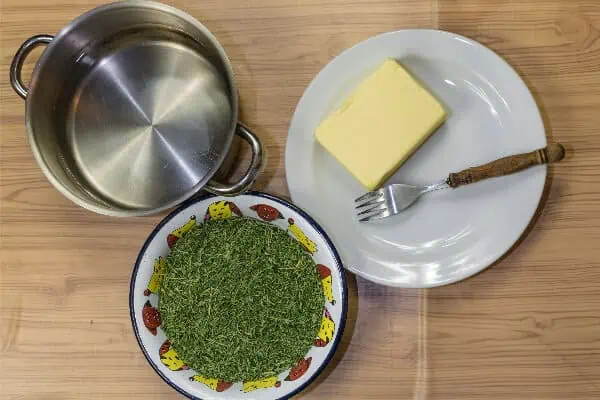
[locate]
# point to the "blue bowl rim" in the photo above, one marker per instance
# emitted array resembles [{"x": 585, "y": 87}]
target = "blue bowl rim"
[{"x": 285, "y": 203}]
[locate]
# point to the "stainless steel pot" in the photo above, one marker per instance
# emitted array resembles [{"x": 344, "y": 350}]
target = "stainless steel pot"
[{"x": 132, "y": 108}]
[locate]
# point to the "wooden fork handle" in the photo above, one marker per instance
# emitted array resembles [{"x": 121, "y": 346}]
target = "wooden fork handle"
[{"x": 507, "y": 165}]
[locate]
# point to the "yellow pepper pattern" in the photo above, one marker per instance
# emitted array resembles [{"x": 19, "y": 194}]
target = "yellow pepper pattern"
[
  {"x": 222, "y": 210},
  {"x": 174, "y": 236},
  {"x": 308, "y": 244},
  {"x": 210, "y": 382},
  {"x": 262, "y": 384},
  {"x": 170, "y": 358},
  {"x": 326, "y": 282},
  {"x": 157, "y": 276},
  {"x": 326, "y": 330},
  {"x": 213, "y": 383}
]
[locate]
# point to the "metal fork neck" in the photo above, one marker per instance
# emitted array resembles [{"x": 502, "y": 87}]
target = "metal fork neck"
[{"x": 436, "y": 186}]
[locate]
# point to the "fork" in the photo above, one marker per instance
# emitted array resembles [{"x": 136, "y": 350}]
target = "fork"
[{"x": 395, "y": 198}]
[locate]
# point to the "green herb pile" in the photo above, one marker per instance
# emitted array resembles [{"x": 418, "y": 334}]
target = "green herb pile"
[{"x": 240, "y": 300}]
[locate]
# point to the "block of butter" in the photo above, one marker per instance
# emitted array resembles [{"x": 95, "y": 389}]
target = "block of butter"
[{"x": 381, "y": 124}]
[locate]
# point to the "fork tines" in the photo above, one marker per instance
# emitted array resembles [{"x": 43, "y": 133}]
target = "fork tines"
[{"x": 371, "y": 205}]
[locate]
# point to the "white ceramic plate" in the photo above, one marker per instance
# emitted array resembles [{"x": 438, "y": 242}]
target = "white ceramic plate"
[
  {"x": 449, "y": 235},
  {"x": 145, "y": 282}
]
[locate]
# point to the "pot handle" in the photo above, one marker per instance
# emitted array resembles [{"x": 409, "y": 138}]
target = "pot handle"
[
  {"x": 20, "y": 56},
  {"x": 248, "y": 179}
]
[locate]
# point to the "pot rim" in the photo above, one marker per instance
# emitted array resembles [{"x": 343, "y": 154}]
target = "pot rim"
[{"x": 124, "y": 212}]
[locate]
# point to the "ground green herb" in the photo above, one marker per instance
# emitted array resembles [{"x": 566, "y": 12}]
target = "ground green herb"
[{"x": 240, "y": 300}]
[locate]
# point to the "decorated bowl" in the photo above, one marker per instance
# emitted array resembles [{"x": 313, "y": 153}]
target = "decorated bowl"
[{"x": 145, "y": 292}]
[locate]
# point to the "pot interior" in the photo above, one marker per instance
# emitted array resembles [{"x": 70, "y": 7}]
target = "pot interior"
[{"x": 132, "y": 108}]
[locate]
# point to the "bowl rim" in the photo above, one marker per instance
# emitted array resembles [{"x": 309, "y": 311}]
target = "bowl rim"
[{"x": 314, "y": 225}]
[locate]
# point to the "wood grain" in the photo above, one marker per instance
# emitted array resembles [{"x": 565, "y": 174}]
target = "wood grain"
[
  {"x": 512, "y": 164},
  {"x": 527, "y": 328}
]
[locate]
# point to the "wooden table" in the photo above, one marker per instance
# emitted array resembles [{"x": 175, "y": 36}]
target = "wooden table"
[{"x": 527, "y": 328}]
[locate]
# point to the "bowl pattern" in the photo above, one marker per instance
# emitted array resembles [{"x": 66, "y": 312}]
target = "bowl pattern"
[{"x": 149, "y": 270}]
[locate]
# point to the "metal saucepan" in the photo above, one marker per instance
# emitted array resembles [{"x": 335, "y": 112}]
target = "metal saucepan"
[{"x": 132, "y": 108}]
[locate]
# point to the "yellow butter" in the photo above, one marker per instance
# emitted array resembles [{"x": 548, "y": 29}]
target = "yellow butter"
[{"x": 381, "y": 124}]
